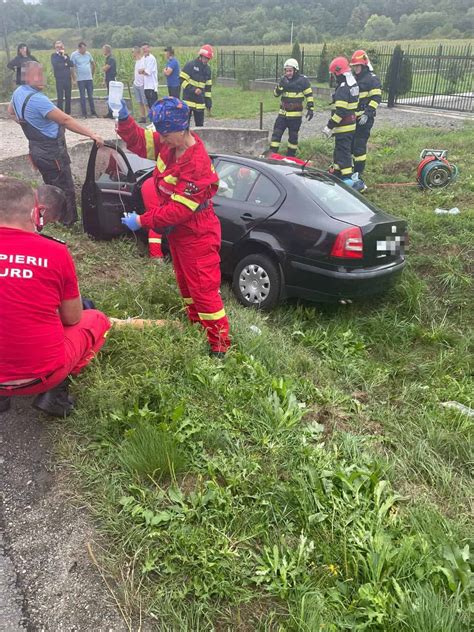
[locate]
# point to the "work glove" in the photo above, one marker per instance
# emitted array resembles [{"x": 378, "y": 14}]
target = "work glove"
[
  {"x": 309, "y": 114},
  {"x": 283, "y": 83},
  {"x": 132, "y": 221},
  {"x": 363, "y": 119},
  {"x": 327, "y": 131},
  {"x": 123, "y": 112}
]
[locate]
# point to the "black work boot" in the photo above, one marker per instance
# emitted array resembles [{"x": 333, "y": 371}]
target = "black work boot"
[
  {"x": 219, "y": 355},
  {"x": 56, "y": 402},
  {"x": 5, "y": 403}
]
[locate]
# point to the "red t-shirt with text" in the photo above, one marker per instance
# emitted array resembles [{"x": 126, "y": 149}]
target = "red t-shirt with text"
[{"x": 36, "y": 275}]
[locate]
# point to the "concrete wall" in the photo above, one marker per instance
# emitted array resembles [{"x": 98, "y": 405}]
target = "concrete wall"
[
  {"x": 100, "y": 106},
  {"x": 252, "y": 142}
]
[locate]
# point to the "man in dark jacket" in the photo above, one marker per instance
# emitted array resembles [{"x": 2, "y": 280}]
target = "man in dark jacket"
[
  {"x": 293, "y": 88},
  {"x": 196, "y": 83},
  {"x": 61, "y": 63},
  {"x": 370, "y": 96},
  {"x": 23, "y": 56},
  {"x": 110, "y": 71}
]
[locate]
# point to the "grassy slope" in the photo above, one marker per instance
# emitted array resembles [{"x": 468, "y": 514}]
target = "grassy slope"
[{"x": 316, "y": 481}]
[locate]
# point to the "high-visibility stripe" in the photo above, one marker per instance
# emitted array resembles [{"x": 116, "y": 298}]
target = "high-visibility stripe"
[
  {"x": 196, "y": 106},
  {"x": 310, "y": 100},
  {"x": 362, "y": 95},
  {"x": 184, "y": 200},
  {"x": 293, "y": 95},
  {"x": 335, "y": 165},
  {"x": 346, "y": 105},
  {"x": 212, "y": 315},
  {"x": 361, "y": 158},
  {"x": 170, "y": 179},
  {"x": 346, "y": 171},
  {"x": 374, "y": 92},
  {"x": 208, "y": 95},
  {"x": 373, "y": 104},
  {"x": 291, "y": 114},
  {"x": 188, "y": 300},
  {"x": 196, "y": 84},
  {"x": 154, "y": 240},
  {"x": 184, "y": 75},
  {"x": 150, "y": 144},
  {"x": 275, "y": 143},
  {"x": 160, "y": 165},
  {"x": 209, "y": 82},
  {"x": 336, "y": 118},
  {"x": 292, "y": 146},
  {"x": 308, "y": 91},
  {"x": 344, "y": 128},
  {"x": 359, "y": 113}
]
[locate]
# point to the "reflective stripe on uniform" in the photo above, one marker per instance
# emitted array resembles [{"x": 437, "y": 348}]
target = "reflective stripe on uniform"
[
  {"x": 170, "y": 179},
  {"x": 293, "y": 95},
  {"x": 346, "y": 171},
  {"x": 373, "y": 104},
  {"x": 275, "y": 143},
  {"x": 212, "y": 315},
  {"x": 292, "y": 146},
  {"x": 188, "y": 300},
  {"x": 209, "y": 82},
  {"x": 374, "y": 92},
  {"x": 291, "y": 114},
  {"x": 184, "y": 200},
  {"x": 196, "y": 106},
  {"x": 154, "y": 240},
  {"x": 360, "y": 158},
  {"x": 344, "y": 128},
  {"x": 346, "y": 105},
  {"x": 208, "y": 95},
  {"x": 150, "y": 144},
  {"x": 362, "y": 95},
  {"x": 336, "y": 118},
  {"x": 160, "y": 165}
]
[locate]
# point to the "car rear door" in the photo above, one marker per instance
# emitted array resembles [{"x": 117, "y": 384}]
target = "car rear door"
[{"x": 110, "y": 189}]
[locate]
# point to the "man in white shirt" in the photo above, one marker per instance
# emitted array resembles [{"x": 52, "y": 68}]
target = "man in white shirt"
[
  {"x": 139, "y": 81},
  {"x": 150, "y": 74}
]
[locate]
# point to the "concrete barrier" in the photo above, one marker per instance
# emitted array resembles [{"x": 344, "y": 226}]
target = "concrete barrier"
[
  {"x": 100, "y": 107},
  {"x": 233, "y": 140}
]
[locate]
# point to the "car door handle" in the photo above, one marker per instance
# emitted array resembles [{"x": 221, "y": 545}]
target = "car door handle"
[{"x": 246, "y": 216}]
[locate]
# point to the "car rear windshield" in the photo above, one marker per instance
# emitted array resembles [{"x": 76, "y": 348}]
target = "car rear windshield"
[{"x": 333, "y": 198}]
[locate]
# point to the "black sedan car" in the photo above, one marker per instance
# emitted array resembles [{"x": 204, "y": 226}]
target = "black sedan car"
[{"x": 287, "y": 230}]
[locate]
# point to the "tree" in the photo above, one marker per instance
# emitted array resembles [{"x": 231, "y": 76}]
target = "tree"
[
  {"x": 322, "y": 75},
  {"x": 379, "y": 27},
  {"x": 453, "y": 73},
  {"x": 296, "y": 52},
  {"x": 399, "y": 77}
]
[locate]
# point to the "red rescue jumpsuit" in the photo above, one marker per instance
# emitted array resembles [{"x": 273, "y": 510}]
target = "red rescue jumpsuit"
[{"x": 177, "y": 201}]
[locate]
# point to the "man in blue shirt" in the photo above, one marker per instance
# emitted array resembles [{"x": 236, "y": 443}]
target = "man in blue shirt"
[
  {"x": 84, "y": 68},
  {"x": 172, "y": 71},
  {"x": 43, "y": 125}
]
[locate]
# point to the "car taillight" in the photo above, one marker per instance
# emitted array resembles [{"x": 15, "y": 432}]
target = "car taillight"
[{"x": 349, "y": 244}]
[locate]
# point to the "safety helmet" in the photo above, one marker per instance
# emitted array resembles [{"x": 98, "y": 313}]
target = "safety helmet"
[
  {"x": 170, "y": 115},
  {"x": 339, "y": 66},
  {"x": 360, "y": 58},
  {"x": 291, "y": 63},
  {"x": 206, "y": 51}
]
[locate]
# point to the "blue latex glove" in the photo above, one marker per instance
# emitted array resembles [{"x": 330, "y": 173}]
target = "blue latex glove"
[
  {"x": 131, "y": 221},
  {"x": 123, "y": 112}
]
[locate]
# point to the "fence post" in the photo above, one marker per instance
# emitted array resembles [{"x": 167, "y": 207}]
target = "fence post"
[
  {"x": 254, "y": 66},
  {"x": 438, "y": 65},
  {"x": 234, "y": 66},
  {"x": 276, "y": 68},
  {"x": 261, "y": 114},
  {"x": 302, "y": 59},
  {"x": 396, "y": 64}
]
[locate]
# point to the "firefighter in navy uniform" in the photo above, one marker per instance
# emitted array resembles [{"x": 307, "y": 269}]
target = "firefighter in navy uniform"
[
  {"x": 370, "y": 96},
  {"x": 293, "y": 88},
  {"x": 342, "y": 123},
  {"x": 196, "y": 84}
]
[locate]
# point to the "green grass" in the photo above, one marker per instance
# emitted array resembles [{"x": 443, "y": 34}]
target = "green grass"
[{"x": 312, "y": 481}]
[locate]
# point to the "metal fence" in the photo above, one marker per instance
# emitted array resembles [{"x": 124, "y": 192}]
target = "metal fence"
[{"x": 440, "y": 77}]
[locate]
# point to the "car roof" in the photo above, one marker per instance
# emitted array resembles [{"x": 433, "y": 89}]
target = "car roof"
[{"x": 279, "y": 167}]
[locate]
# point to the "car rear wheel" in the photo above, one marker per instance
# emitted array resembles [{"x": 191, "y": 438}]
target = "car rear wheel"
[{"x": 257, "y": 282}]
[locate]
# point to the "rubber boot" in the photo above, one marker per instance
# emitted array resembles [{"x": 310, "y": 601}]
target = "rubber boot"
[
  {"x": 218, "y": 355},
  {"x": 5, "y": 403},
  {"x": 56, "y": 402}
]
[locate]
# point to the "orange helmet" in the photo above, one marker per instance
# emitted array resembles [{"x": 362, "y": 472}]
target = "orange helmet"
[
  {"x": 360, "y": 58},
  {"x": 339, "y": 66},
  {"x": 206, "y": 51}
]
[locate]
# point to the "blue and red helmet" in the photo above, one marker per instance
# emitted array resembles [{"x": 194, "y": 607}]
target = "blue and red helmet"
[{"x": 170, "y": 115}]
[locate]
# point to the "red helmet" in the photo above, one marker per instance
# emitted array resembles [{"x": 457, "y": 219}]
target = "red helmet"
[
  {"x": 339, "y": 66},
  {"x": 360, "y": 58},
  {"x": 206, "y": 51}
]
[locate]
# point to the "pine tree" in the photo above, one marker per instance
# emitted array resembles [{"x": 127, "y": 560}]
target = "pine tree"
[
  {"x": 296, "y": 52},
  {"x": 323, "y": 68}
]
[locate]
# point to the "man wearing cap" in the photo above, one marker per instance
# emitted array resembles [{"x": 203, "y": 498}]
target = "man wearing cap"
[
  {"x": 196, "y": 81},
  {"x": 178, "y": 201},
  {"x": 171, "y": 71}
]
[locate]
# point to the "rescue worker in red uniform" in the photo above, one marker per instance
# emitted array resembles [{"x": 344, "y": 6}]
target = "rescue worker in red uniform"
[
  {"x": 293, "y": 88},
  {"x": 370, "y": 96},
  {"x": 45, "y": 335},
  {"x": 342, "y": 123},
  {"x": 196, "y": 83},
  {"x": 178, "y": 201}
]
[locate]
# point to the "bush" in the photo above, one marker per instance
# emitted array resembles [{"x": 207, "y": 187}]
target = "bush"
[
  {"x": 296, "y": 52},
  {"x": 401, "y": 78},
  {"x": 244, "y": 71},
  {"x": 323, "y": 68}
]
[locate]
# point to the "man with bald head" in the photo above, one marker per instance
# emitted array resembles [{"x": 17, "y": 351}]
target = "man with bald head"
[
  {"x": 43, "y": 125},
  {"x": 45, "y": 335}
]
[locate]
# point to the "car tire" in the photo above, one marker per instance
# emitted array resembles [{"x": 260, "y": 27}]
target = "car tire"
[{"x": 256, "y": 282}]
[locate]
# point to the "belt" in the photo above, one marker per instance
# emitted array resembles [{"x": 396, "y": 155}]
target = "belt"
[{"x": 32, "y": 382}]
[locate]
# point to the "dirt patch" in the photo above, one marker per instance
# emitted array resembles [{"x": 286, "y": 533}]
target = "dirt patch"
[{"x": 401, "y": 168}]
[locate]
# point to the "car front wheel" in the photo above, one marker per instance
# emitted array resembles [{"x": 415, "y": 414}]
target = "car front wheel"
[{"x": 257, "y": 282}]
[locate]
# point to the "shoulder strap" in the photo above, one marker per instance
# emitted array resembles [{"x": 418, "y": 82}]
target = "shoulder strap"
[{"x": 25, "y": 103}]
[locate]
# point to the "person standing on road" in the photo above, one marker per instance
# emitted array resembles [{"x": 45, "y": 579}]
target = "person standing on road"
[
  {"x": 110, "y": 71},
  {"x": 23, "y": 56},
  {"x": 178, "y": 201},
  {"x": 171, "y": 71},
  {"x": 196, "y": 81},
  {"x": 370, "y": 96},
  {"x": 45, "y": 335},
  {"x": 139, "y": 82},
  {"x": 83, "y": 71},
  {"x": 150, "y": 75},
  {"x": 342, "y": 123},
  {"x": 62, "y": 64},
  {"x": 43, "y": 125},
  {"x": 293, "y": 88}
]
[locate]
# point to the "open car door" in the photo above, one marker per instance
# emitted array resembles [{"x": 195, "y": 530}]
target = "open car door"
[{"x": 110, "y": 189}]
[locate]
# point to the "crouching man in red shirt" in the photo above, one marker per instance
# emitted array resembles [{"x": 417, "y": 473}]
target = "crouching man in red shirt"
[{"x": 45, "y": 335}]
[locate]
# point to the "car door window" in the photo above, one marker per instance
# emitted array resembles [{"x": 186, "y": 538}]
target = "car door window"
[
  {"x": 264, "y": 193},
  {"x": 110, "y": 166},
  {"x": 235, "y": 181}
]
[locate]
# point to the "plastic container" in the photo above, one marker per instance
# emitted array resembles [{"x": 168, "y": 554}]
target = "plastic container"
[{"x": 115, "y": 97}]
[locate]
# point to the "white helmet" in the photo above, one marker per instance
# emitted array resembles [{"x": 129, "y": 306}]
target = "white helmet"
[{"x": 291, "y": 63}]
